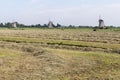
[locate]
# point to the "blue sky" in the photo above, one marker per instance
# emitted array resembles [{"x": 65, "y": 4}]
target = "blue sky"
[{"x": 76, "y": 12}]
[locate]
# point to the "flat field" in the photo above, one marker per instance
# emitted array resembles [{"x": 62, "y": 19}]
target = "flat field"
[{"x": 55, "y": 54}]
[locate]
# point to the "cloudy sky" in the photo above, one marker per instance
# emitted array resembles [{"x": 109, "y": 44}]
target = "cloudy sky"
[{"x": 75, "y": 12}]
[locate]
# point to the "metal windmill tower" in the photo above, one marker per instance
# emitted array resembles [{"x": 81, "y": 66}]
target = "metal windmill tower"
[{"x": 101, "y": 23}]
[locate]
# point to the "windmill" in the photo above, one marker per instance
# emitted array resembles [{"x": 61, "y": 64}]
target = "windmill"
[
  {"x": 101, "y": 23},
  {"x": 50, "y": 24},
  {"x": 14, "y": 24}
]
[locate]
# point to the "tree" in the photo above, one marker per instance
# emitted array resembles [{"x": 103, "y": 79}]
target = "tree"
[
  {"x": 45, "y": 26},
  {"x": 8, "y": 24},
  {"x": 1, "y": 25},
  {"x": 58, "y": 25}
]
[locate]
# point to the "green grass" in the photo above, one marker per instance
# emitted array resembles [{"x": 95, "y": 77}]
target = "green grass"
[
  {"x": 61, "y": 42},
  {"x": 83, "y": 53}
]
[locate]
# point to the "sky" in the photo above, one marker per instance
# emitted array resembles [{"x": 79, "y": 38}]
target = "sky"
[{"x": 65, "y": 12}]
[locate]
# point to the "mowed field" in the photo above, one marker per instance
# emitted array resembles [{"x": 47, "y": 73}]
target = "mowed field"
[{"x": 55, "y": 54}]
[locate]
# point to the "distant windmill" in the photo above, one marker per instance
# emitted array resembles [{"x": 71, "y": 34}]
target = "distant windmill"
[
  {"x": 14, "y": 24},
  {"x": 101, "y": 23},
  {"x": 50, "y": 24}
]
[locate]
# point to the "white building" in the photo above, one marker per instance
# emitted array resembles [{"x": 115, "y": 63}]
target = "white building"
[{"x": 14, "y": 24}]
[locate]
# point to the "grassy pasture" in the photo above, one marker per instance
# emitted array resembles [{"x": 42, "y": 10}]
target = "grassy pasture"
[
  {"x": 67, "y": 34},
  {"x": 55, "y": 54},
  {"x": 62, "y": 42},
  {"x": 97, "y": 64}
]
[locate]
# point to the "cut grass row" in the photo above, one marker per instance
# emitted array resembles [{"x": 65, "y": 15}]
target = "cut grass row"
[
  {"x": 94, "y": 65},
  {"x": 92, "y": 55},
  {"x": 69, "y": 64},
  {"x": 61, "y": 42}
]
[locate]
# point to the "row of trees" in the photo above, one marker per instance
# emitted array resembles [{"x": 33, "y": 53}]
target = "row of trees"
[{"x": 9, "y": 25}]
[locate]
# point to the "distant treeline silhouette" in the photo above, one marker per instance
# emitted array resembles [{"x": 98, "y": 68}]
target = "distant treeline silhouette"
[{"x": 10, "y": 25}]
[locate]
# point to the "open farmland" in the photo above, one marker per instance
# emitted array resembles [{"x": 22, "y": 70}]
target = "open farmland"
[{"x": 55, "y": 54}]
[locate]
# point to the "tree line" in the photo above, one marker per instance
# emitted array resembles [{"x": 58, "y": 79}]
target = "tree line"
[{"x": 9, "y": 25}]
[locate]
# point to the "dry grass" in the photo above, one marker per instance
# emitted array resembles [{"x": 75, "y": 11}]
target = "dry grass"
[
  {"x": 27, "y": 62},
  {"x": 89, "y": 65},
  {"x": 23, "y": 57},
  {"x": 107, "y": 46},
  {"x": 21, "y": 62},
  {"x": 67, "y": 34}
]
